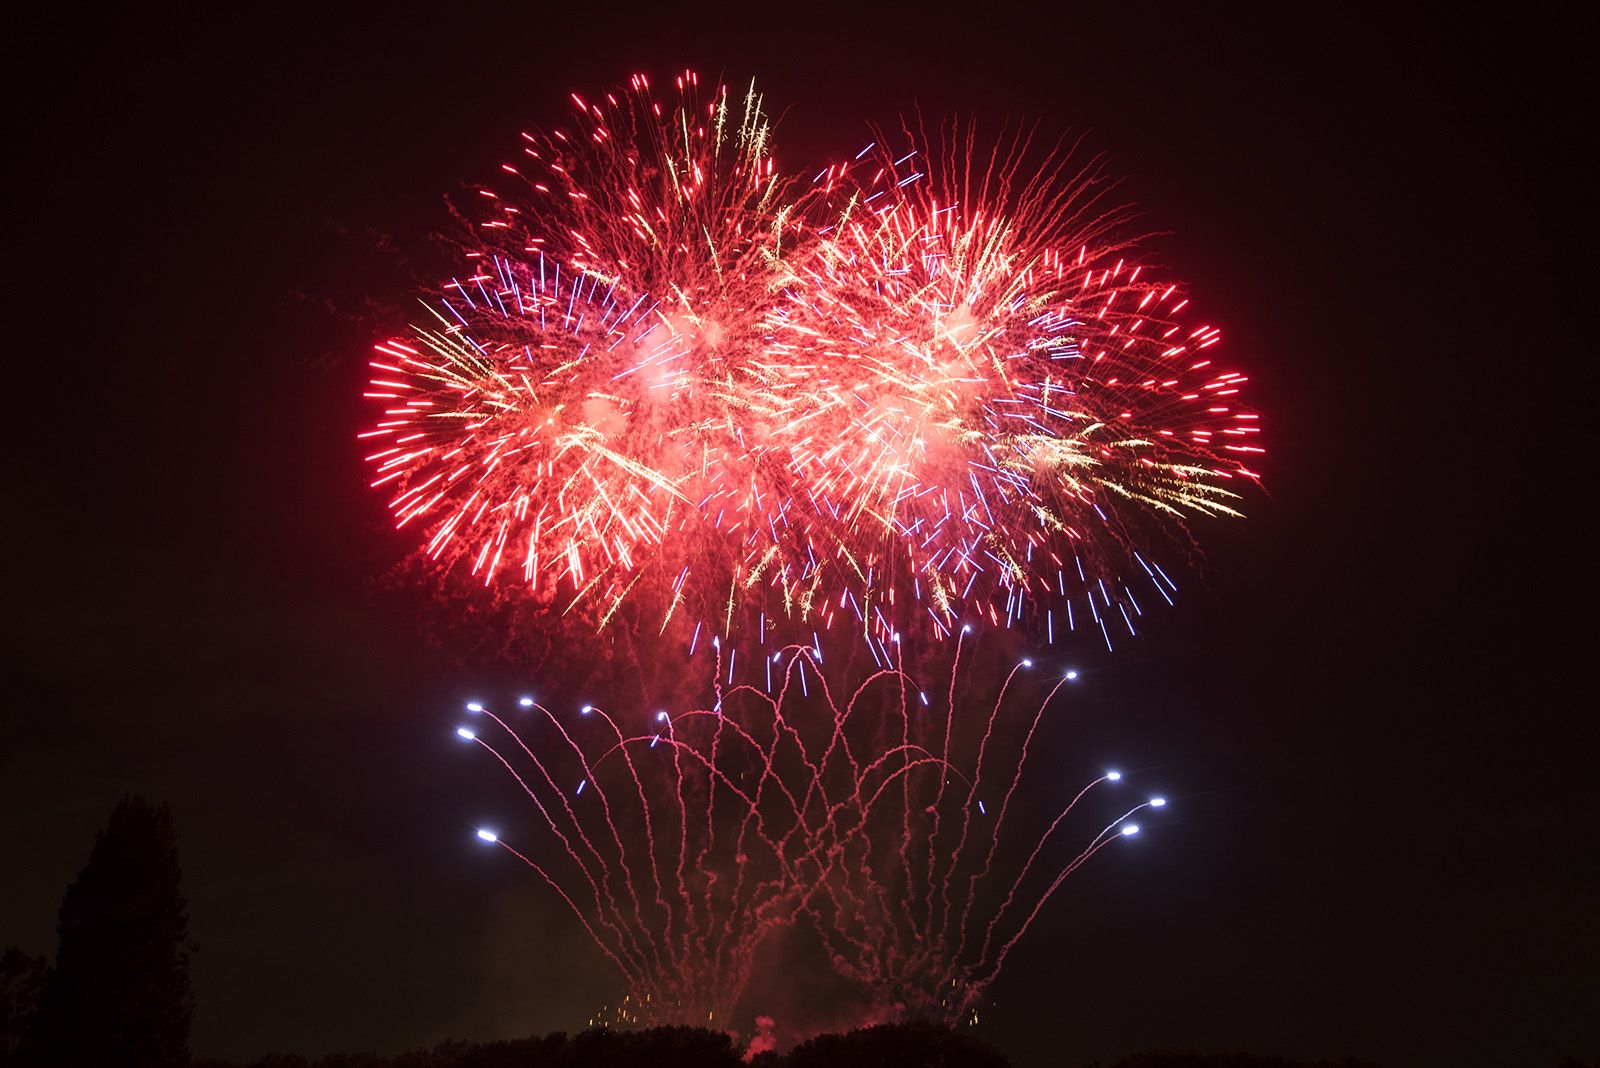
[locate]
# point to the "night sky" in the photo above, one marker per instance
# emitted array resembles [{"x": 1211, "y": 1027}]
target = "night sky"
[{"x": 1383, "y": 842}]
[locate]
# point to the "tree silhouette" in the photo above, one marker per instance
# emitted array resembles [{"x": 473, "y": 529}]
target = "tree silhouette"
[
  {"x": 1169, "y": 1058},
  {"x": 22, "y": 981},
  {"x": 911, "y": 1045},
  {"x": 119, "y": 996}
]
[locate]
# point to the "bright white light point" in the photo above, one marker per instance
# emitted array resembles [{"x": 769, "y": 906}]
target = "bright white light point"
[
  {"x": 1129, "y": 830},
  {"x": 1071, "y": 675},
  {"x": 586, "y": 709},
  {"x": 525, "y": 702},
  {"x": 488, "y": 836},
  {"x": 465, "y": 734},
  {"x": 473, "y": 706},
  {"x": 1157, "y": 802},
  {"x": 661, "y": 717},
  {"x": 966, "y": 628},
  {"x": 1027, "y": 663},
  {"x": 895, "y": 639},
  {"x": 1114, "y": 776}
]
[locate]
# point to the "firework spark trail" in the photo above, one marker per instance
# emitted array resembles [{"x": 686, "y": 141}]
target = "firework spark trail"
[
  {"x": 813, "y": 841},
  {"x": 700, "y": 962},
  {"x": 1000, "y": 819},
  {"x": 578, "y": 912},
  {"x": 841, "y": 838},
  {"x": 716, "y": 954},
  {"x": 610, "y": 821},
  {"x": 715, "y": 951},
  {"x": 938, "y": 800},
  {"x": 610, "y": 919},
  {"x": 908, "y": 969},
  {"x": 844, "y": 895},
  {"x": 1102, "y": 840},
  {"x": 630, "y": 931},
  {"x": 668, "y": 985},
  {"x": 821, "y": 838},
  {"x": 928, "y": 383},
  {"x": 683, "y": 835},
  {"x": 742, "y": 863},
  {"x": 644, "y": 809},
  {"x": 967, "y": 808},
  {"x": 1011, "y": 894}
]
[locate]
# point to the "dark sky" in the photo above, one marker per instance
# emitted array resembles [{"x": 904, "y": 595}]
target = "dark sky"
[{"x": 1387, "y": 844}]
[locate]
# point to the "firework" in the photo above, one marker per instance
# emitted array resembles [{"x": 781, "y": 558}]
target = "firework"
[
  {"x": 676, "y": 847},
  {"x": 935, "y": 880},
  {"x": 928, "y": 385},
  {"x": 683, "y": 843},
  {"x": 571, "y": 412},
  {"x": 986, "y": 396}
]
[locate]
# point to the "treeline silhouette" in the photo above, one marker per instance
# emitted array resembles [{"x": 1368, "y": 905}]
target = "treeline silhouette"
[
  {"x": 118, "y": 995},
  {"x": 910, "y": 1045},
  {"x": 922, "y": 1045},
  {"x": 1188, "y": 1058}
]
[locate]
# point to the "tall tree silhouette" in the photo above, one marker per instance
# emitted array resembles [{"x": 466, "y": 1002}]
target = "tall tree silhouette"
[
  {"x": 119, "y": 996},
  {"x": 22, "y": 980}
]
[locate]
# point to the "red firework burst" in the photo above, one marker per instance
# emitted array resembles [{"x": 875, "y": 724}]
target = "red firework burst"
[{"x": 910, "y": 391}]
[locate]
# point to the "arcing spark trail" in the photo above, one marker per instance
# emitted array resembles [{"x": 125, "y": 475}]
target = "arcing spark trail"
[{"x": 883, "y": 820}]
